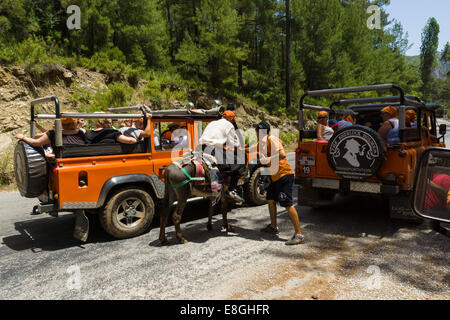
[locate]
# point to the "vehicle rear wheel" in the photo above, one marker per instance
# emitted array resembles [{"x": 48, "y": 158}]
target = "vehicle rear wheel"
[
  {"x": 256, "y": 188},
  {"x": 30, "y": 168},
  {"x": 356, "y": 152},
  {"x": 128, "y": 213}
]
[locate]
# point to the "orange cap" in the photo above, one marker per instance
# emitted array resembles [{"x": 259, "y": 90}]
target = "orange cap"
[
  {"x": 323, "y": 114},
  {"x": 229, "y": 115},
  {"x": 68, "y": 121},
  {"x": 391, "y": 110}
]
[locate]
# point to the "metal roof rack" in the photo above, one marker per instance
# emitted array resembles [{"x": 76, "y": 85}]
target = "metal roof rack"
[
  {"x": 188, "y": 112},
  {"x": 403, "y": 101}
]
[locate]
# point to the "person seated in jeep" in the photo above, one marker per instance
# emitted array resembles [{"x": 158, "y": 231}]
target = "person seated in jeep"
[
  {"x": 410, "y": 119},
  {"x": 103, "y": 134},
  {"x": 71, "y": 135},
  {"x": 390, "y": 129},
  {"x": 167, "y": 135},
  {"x": 216, "y": 136},
  {"x": 437, "y": 195},
  {"x": 348, "y": 121},
  {"x": 334, "y": 124},
  {"x": 80, "y": 124},
  {"x": 138, "y": 131},
  {"x": 180, "y": 135},
  {"x": 324, "y": 132}
]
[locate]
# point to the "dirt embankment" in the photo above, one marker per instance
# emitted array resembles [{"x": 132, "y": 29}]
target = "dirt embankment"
[{"x": 19, "y": 85}]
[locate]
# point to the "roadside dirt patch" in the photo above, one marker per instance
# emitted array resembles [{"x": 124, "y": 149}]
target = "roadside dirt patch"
[{"x": 339, "y": 267}]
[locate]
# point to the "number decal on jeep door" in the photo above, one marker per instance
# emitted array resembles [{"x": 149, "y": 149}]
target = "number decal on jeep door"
[{"x": 306, "y": 170}]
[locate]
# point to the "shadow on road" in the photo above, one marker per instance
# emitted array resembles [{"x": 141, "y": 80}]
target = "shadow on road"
[
  {"x": 197, "y": 232},
  {"x": 352, "y": 216},
  {"x": 51, "y": 234},
  {"x": 348, "y": 217}
]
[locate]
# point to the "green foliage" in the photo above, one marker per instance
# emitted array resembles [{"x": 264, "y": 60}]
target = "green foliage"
[
  {"x": 117, "y": 94},
  {"x": 191, "y": 57},
  {"x": 428, "y": 61},
  {"x": 108, "y": 61},
  {"x": 231, "y": 48},
  {"x": 289, "y": 138},
  {"x": 446, "y": 53},
  {"x": 6, "y": 172}
]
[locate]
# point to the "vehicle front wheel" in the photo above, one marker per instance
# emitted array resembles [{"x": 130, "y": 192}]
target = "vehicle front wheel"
[
  {"x": 256, "y": 188},
  {"x": 128, "y": 213}
]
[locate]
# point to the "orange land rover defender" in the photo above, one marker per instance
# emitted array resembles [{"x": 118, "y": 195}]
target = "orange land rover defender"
[
  {"x": 356, "y": 160},
  {"x": 121, "y": 183}
]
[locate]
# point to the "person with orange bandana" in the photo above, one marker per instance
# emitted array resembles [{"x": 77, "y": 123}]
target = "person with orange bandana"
[
  {"x": 389, "y": 130},
  {"x": 324, "y": 131}
]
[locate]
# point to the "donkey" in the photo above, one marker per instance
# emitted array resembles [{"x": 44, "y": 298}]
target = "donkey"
[{"x": 175, "y": 176}]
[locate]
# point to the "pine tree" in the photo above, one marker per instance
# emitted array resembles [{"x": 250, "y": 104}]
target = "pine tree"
[{"x": 430, "y": 41}]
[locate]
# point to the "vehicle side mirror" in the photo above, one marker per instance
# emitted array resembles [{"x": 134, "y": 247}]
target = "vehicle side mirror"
[
  {"x": 442, "y": 129},
  {"x": 431, "y": 196}
]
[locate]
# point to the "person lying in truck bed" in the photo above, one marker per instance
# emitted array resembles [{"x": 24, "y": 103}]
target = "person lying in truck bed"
[
  {"x": 138, "y": 132},
  {"x": 71, "y": 135},
  {"x": 103, "y": 134}
]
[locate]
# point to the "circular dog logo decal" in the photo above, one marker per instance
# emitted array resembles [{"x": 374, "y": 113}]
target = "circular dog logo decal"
[{"x": 356, "y": 152}]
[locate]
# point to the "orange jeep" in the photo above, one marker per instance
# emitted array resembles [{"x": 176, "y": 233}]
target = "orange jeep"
[
  {"x": 121, "y": 183},
  {"x": 356, "y": 160}
]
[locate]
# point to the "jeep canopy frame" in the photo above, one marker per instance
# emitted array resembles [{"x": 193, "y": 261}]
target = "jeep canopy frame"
[
  {"x": 402, "y": 100},
  {"x": 188, "y": 113}
]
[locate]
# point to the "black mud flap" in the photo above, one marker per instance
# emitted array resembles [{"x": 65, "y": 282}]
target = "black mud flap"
[
  {"x": 400, "y": 208},
  {"x": 81, "y": 229},
  {"x": 307, "y": 196}
]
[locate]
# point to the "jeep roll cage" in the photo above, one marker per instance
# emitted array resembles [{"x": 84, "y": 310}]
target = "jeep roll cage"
[
  {"x": 76, "y": 151},
  {"x": 357, "y": 105}
]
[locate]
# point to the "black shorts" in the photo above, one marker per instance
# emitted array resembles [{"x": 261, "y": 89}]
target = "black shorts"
[{"x": 281, "y": 191}]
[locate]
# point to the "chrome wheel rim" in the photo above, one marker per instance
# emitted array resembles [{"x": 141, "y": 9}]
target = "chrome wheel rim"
[{"x": 130, "y": 212}]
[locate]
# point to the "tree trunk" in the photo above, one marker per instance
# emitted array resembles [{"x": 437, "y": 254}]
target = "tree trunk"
[
  {"x": 288, "y": 56},
  {"x": 169, "y": 21},
  {"x": 240, "y": 81}
]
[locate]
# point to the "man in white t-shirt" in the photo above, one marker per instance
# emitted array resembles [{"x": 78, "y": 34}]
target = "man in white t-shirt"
[{"x": 218, "y": 134}]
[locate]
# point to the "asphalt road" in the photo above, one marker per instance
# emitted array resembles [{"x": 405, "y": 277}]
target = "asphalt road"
[{"x": 353, "y": 251}]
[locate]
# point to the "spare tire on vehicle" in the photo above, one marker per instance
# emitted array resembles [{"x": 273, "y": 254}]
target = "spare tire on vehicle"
[
  {"x": 30, "y": 168},
  {"x": 356, "y": 152}
]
